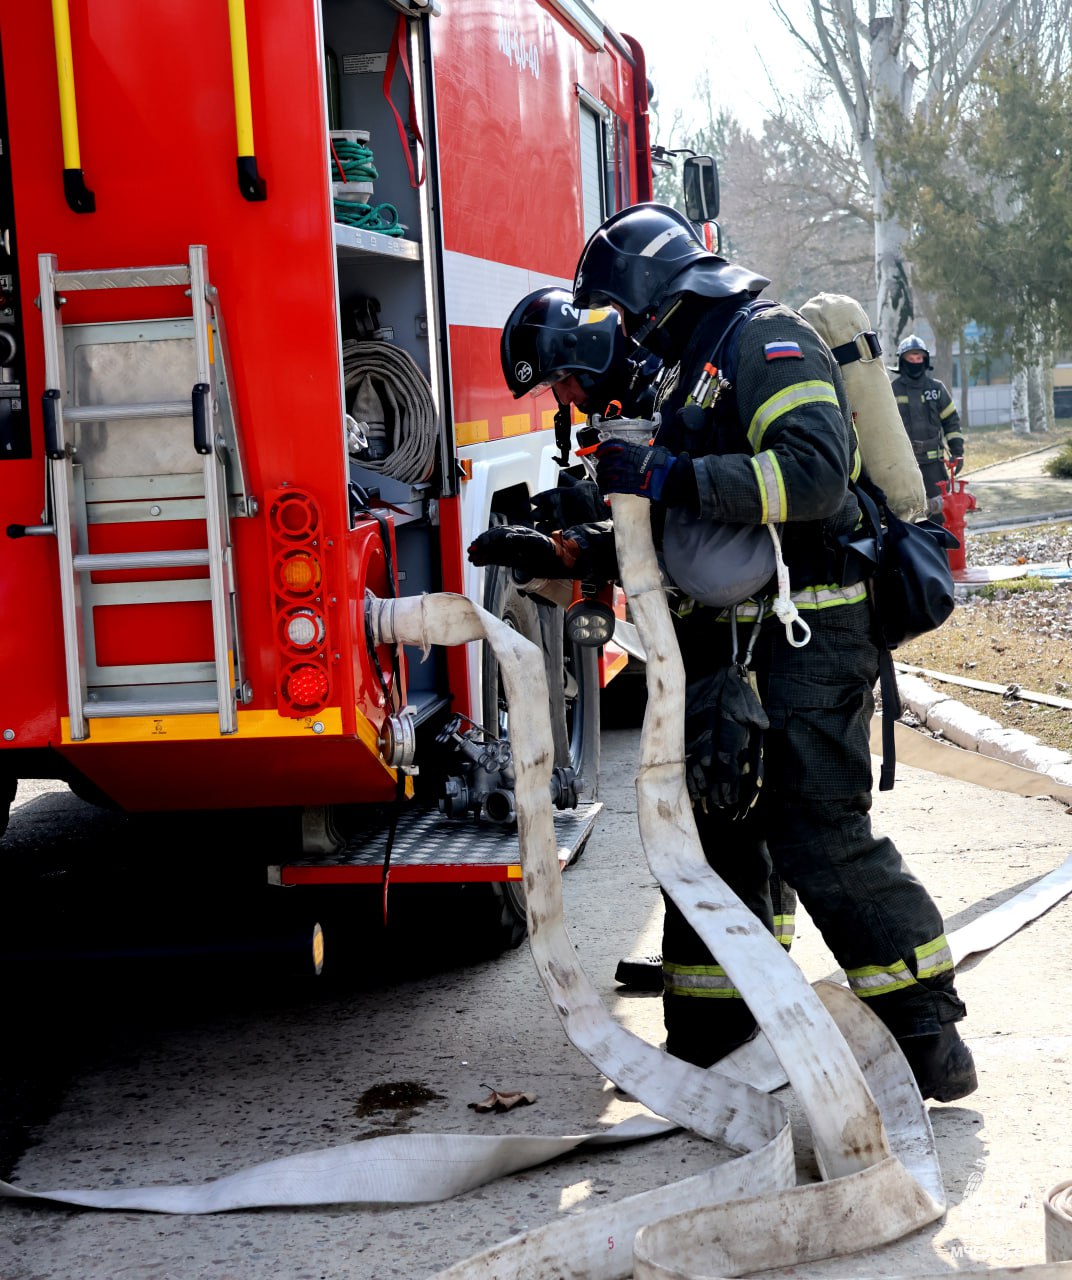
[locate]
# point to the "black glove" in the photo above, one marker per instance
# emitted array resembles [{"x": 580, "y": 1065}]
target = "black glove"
[
  {"x": 595, "y": 557},
  {"x": 573, "y": 502},
  {"x": 958, "y": 465},
  {"x": 531, "y": 553},
  {"x": 648, "y": 470},
  {"x": 724, "y": 723}
]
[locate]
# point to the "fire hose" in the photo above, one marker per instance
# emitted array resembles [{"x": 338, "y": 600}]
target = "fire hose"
[
  {"x": 872, "y": 1138},
  {"x": 401, "y": 427}
]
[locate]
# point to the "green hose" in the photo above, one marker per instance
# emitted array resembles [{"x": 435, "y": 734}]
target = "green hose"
[
  {"x": 370, "y": 217},
  {"x": 351, "y": 161}
]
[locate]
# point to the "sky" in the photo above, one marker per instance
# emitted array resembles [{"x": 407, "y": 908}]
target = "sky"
[{"x": 732, "y": 39}]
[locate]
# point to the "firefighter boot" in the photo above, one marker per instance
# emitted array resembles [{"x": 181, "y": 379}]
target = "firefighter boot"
[
  {"x": 942, "y": 1064},
  {"x": 706, "y": 1039},
  {"x": 640, "y": 973}
]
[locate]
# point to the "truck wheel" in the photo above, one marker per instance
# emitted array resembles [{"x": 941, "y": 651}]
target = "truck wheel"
[
  {"x": 497, "y": 915},
  {"x": 503, "y": 600},
  {"x": 8, "y": 787},
  {"x": 572, "y": 678}
]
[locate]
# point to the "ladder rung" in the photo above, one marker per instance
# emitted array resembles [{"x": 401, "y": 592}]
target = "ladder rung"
[
  {"x": 126, "y": 412},
  {"x": 112, "y": 710},
  {"x": 101, "y": 561},
  {"x": 122, "y": 278}
]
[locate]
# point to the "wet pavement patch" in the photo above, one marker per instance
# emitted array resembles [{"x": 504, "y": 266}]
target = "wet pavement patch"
[{"x": 398, "y": 1095}]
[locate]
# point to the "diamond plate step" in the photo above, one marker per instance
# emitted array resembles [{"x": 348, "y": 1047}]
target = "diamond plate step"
[{"x": 430, "y": 848}]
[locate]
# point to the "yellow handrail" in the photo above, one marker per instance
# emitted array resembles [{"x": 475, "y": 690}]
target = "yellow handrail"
[
  {"x": 250, "y": 183},
  {"x": 78, "y": 195}
]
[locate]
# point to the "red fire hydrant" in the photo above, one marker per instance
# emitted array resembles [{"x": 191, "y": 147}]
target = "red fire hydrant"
[{"x": 956, "y": 503}]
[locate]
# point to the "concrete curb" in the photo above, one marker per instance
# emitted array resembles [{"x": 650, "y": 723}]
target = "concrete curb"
[
  {"x": 973, "y": 731},
  {"x": 1020, "y": 522}
]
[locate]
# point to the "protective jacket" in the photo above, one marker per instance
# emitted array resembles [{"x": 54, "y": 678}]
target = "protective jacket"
[
  {"x": 778, "y": 446},
  {"x": 933, "y": 425}
]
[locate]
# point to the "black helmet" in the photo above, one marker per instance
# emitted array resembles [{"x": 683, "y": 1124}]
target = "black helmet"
[
  {"x": 647, "y": 253},
  {"x": 547, "y": 338},
  {"x": 912, "y": 343}
]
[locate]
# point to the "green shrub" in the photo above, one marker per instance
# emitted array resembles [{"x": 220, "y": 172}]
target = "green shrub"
[
  {"x": 999, "y": 590},
  {"x": 1060, "y": 464}
]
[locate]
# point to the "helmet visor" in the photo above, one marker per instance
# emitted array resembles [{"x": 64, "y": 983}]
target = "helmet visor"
[{"x": 589, "y": 347}]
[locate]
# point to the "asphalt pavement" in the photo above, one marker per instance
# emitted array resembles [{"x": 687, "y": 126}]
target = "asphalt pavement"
[{"x": 1017, "y": 492}]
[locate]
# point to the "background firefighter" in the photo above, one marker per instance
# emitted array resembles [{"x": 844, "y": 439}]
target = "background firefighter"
[{"x": 930, "y": 418}]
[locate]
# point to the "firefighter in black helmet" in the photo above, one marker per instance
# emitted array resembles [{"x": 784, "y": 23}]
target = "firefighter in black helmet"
[
  {"x": 756, "y": 430},
  {"x": 583, "y": 357},
  {"x": 930, "y": 418},
  {"x": 581, "y": 354}
]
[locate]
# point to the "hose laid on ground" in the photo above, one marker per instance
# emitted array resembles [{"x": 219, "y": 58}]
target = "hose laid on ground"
[
  {"x": 403, "y": 439},
  {"x": 872, "y": 1138}
]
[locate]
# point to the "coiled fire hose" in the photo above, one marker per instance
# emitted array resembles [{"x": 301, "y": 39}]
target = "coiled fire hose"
[
  {"x": 405, "y": 438},
  {"x": 872, "y": 1137}
]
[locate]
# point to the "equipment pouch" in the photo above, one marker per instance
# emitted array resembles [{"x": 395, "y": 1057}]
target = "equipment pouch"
[
  {"x": 912, "y": 584},
  {"x": 716, "y": 563},
  {"x": 724, "y": 725}
]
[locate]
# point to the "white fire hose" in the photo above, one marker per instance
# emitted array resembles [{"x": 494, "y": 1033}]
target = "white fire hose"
[{"x": 873, "y": 1141}]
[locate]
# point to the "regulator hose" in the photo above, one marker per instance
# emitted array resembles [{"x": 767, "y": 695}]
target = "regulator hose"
[{"x": 403, "y": 446}]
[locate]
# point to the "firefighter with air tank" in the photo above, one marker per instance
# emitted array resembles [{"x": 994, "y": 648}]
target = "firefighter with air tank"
[
  {"x": 930, "y": 418},
  {"x": 771, "y": 444}
]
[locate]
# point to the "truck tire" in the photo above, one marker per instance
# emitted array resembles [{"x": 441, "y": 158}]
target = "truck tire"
[
  {"x": 573, "y": 682},
  {"x": 8, "y": 787},
  {"x": 572, "y": 679}
]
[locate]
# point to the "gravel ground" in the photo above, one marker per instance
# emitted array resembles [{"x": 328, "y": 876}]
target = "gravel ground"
[{"x": 1019, "y": 634}]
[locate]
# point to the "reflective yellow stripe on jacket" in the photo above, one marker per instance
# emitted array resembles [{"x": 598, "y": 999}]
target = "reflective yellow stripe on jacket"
[
  {"x": 774, "y": 507},
  {"x": 800, "y": 393}
]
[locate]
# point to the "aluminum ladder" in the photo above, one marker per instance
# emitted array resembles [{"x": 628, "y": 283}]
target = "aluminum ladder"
[{"x": 201, "y": 474}]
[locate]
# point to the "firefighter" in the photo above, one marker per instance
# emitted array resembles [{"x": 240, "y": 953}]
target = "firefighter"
[
  {"x": 582, "y": 356},
  {"x": 930, "y": 418},
  {"x": 774, "y": 445}
]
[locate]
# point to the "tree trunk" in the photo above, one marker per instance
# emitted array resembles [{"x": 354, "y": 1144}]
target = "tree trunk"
[
  {"x": 1021, "y": 417},
  {"x": 1038, "y": 392},
  {"x": 893, "y": 308},
  {"x": 942, "y": 360},
  {"x": 1047, "y": 393},
  {"x": 965, "y": 417}
]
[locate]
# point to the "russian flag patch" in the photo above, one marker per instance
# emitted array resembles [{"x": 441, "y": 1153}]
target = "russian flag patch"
[{"x": 780, "y": 350}]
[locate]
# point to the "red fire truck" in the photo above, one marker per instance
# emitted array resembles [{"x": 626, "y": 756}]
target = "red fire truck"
[{"x": 254, "y": 262}]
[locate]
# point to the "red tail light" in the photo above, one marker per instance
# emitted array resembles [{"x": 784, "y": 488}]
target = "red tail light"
[{"x": 301, "y": 621}]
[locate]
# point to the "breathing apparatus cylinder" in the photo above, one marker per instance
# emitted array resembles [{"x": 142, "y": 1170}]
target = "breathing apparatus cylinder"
[{"x": 884, "y": 446}]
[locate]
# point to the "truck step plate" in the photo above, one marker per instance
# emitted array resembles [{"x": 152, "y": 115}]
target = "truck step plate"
[{"x": 431, "y": 848}]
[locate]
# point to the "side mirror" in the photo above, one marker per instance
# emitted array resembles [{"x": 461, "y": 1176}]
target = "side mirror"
[{"x": 700, "y": 178}]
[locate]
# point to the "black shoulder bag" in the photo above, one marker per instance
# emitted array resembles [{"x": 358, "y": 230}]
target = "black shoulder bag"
[{"x": 911, "y": 591}]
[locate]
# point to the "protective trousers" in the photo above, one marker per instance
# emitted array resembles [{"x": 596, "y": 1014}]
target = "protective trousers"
[{"x": 812, "y": 822}]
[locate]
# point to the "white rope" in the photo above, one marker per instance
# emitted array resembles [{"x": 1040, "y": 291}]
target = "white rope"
[{"x": 783, "y": 607}]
